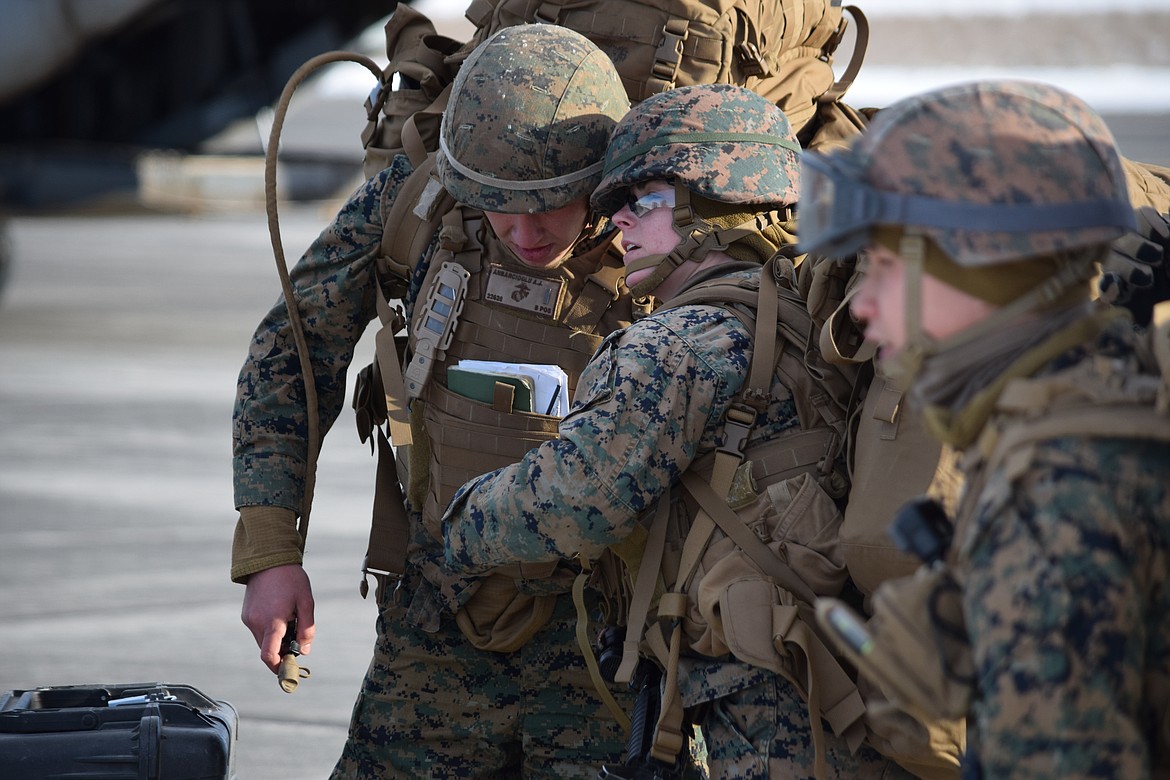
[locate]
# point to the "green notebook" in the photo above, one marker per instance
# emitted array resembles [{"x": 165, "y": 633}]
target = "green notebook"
[{"x": 481, "y": 386}]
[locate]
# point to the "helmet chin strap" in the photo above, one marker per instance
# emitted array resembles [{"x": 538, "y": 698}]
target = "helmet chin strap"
[
  {"x": 697, "y": 238},
  {"x": 905, "y": 365}
]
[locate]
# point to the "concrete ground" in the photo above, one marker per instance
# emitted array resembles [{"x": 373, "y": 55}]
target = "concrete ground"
[{"x": 120, "y": 340}]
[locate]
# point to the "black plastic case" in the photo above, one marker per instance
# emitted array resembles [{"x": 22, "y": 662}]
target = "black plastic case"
[{"x": 140, "y": 731}]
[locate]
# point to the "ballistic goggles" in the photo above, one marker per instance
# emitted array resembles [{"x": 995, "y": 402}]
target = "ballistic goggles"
[{"x": 837, "y": 210}]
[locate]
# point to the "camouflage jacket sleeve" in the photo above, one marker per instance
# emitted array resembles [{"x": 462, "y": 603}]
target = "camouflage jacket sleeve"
[
  {"x": 651, "y": 399},
  {"x": 335, "y": 285},
  {"x": 1065, "y": 593}
]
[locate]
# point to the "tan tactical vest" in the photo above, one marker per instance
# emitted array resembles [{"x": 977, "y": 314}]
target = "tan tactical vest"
[
  {"x": 475, "y": 302},
  {"x": 512, "y": 314}
]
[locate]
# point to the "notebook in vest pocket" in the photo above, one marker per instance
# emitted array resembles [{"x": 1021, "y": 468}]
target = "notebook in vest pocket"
[{"x": 482, "y": 386}]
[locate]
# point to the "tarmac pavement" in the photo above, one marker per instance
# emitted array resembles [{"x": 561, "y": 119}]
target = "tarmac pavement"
[{"x": 120, "y": 340}]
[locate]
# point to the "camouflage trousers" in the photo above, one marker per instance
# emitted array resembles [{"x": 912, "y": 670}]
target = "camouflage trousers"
[
  {"x": 434, "y": 706},
  {"x": 763, "y": 732}
]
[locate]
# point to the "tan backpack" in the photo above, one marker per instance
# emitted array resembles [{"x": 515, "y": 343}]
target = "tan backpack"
[
  {"x": 656, "y": 45},
  {"x": 764, "y": 544},
  {"x": 661, "y": 44},
  {"x": 891, "y": 456}
]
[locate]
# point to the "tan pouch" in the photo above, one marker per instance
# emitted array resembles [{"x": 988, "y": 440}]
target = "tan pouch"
[
  {"x": 731, "y": 599},
  {"x": 500, "y": 618},
  {"x": 914, "y": 647},
  {"x": 931, "y": 749}
]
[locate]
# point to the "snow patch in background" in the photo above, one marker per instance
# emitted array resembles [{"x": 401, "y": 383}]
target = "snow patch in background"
[{"x": 1110, "y": 89}]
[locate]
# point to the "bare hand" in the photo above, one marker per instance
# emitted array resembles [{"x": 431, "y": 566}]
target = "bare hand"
[{"x": 274, "y": 597}]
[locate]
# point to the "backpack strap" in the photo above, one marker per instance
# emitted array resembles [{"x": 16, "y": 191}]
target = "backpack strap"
[
  {"x": 380, "y": 398},
  {"x": 385, "y": 557},
  {"x": 841, "y": 86},
  {"x": 816, "y": 672},
  {"x": 739, "y": 421}
]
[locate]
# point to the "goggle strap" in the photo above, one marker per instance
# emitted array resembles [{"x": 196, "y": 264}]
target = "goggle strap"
[{"x": 998, "y": 217}]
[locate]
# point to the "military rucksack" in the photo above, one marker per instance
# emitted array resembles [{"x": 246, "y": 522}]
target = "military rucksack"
[
  {"x": 764, "y": 543},
  {"x": 891, "y": 457},
  {"x": 662, "y": 44}
]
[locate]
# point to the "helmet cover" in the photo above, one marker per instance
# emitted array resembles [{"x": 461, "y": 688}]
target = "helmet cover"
[
  {"x": 528, "y": 120},
  {"x": 991, "y": 171},
  {"x": 721, "y": 141}
]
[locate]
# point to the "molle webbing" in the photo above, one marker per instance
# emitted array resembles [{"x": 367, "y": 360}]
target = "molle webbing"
[
  {"x": 468, "y": 439},
  {"x": 485, "y": 333}
]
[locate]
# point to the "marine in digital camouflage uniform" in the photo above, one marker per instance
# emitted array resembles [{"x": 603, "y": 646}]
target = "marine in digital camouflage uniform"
[
  {"x": 987, "y": 207},
  {"x": 653, "y": 398},
  {"x": 524, "y": 136}
]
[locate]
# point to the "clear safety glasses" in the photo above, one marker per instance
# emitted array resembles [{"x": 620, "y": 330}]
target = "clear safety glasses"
[{"x": 837, "y": 210}]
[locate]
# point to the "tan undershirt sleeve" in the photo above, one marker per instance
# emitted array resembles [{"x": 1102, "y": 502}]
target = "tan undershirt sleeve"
[{"x": 266, "y": 536}]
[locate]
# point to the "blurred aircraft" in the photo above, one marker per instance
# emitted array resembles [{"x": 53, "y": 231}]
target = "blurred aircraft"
[{"x": 87, "y": 85}]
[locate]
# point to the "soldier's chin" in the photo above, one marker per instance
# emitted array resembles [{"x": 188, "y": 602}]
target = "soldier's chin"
[{"x": 537, "y": 258}]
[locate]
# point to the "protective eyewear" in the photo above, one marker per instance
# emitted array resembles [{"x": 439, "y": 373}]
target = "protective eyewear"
[
  {"x": 648, "y": 201},
  {"x": 837, "y": 210}
]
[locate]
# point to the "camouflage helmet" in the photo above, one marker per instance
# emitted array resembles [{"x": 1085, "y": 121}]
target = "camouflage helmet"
[
  {"x": 720, "y": 141},
  {"x": 990, "y": 171},
  {"x": 528, "y": 119}
]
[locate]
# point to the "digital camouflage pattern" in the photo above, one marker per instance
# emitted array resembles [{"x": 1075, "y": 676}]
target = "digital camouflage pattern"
[
  {"x": 723, "y": 142},
  {"x": 761, "y": 733},
  {"x": 994, "y": 142},
  {"x": 650, "y": 402},
  {"x": 1065, "y": 569},
  {"x": 336, "y": 289},
  {"x": 530, "y": 713},
  {"x": 528, "y": 119}
]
